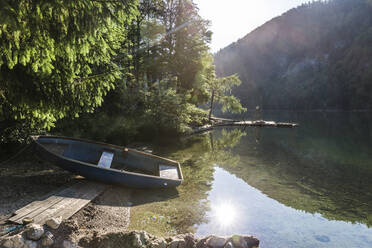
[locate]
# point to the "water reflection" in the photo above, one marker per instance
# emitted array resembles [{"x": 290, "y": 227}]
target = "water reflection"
[
  {"x": 276, "y": 224},
  {"x": 320, "y": 167},
  {"x": 224, "y": 213},
  {"x": 198, "y": 157},
  {"x": 305, "y": 187}
]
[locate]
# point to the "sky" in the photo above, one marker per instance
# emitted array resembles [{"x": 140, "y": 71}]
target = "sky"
[{"x": 233, "y": 19}]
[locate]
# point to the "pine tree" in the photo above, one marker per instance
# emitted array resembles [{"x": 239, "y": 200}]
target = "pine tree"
[{"x": 56, "y": 57}]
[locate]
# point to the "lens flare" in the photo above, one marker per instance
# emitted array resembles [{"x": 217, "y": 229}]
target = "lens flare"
[{"x": 224, "y": 214}]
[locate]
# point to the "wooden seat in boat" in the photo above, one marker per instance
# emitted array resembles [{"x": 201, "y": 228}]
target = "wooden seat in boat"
[
  {"x": 106, "y": 159},
  {"x": 167, "y": 171}
]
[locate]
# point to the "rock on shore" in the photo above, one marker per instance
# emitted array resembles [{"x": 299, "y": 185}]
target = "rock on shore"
[
  {"x": 141, "y": 239},
  {"x": 35, "y": 237}
]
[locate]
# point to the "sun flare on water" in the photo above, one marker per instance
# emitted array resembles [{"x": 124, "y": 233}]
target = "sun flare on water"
[{"x": 224, "y": 213}]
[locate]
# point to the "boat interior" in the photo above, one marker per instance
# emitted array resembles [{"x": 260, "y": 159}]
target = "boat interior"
[{"x": 113, "y": 157}]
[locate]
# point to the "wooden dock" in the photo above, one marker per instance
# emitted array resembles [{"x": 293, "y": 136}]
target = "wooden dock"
[
  {"x": 220, "y": 122},
  {"x": 64, "y": 202}
]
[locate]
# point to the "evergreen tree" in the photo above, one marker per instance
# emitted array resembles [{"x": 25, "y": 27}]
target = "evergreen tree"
[{"x": 56, "y": 57}]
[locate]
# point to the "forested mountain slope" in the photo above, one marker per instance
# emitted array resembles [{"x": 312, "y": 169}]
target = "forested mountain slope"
[{"x": 316, "y": 56}]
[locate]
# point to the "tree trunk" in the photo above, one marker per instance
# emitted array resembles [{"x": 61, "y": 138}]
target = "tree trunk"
[
  {"x": 211, "y": 107},
  {"x": 137, "y": 56}
]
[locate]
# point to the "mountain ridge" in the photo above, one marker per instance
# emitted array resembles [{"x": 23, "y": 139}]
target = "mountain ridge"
[{"x": 315, "y": 56}]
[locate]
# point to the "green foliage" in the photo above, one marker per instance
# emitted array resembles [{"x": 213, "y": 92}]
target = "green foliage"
[
  {"x": 219, "y": 89},
  {"x": 92, "y": 64},
  {"x": 170, "y": 111},
  {"x": 168, "y": 70},
  {"x": 166, "y": 109},
  {"x": 317, "y": 56},
  {"x": 56, "y": 57},
  {"x": 222, "y": 90},
  {"x": 168, "y": 40}
]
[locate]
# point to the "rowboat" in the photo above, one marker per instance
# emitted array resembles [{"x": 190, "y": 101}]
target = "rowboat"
[{"x": 109, "y": 163}]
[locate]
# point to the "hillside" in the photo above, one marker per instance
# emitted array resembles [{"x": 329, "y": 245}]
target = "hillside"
[{"x": 316, "y": 56}]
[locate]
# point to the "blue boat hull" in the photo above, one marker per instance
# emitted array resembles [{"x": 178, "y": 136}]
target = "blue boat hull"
[{"x": 106, "y": 175}]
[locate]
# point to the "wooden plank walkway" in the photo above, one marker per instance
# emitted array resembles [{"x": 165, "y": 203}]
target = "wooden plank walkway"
[{"x": 64, "y": 202}]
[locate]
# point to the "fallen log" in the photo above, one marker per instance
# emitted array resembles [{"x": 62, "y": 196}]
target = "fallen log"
[{"x": 219, "y": 122}]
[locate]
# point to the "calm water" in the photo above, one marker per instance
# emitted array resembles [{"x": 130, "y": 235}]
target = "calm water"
[{"x": 304, "y": 187}]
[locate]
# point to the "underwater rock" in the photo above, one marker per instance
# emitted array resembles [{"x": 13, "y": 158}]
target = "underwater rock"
[{"x": 322, "y": 238}]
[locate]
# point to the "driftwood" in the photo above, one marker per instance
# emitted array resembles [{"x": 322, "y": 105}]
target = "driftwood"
[{"x": 220, "y": 122}]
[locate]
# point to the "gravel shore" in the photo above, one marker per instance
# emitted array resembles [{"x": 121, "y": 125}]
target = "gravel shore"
[{"x": 22, "y": 182}]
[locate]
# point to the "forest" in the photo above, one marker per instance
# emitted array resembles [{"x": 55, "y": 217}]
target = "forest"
[
  {"x": 317, "y": 56},
  {"x": 127, "y": 69},
  {"x": 106, "y": 69}
]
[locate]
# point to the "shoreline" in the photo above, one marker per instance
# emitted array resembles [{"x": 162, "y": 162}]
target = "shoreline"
[
  {"x": 104, "y": 222},
  {"x": 35, "y": 236}
]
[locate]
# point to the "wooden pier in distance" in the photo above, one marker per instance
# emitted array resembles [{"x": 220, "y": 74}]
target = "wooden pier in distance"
[
  {"x": 220, "y": 122},
  {"x": 64, "y": 202}
]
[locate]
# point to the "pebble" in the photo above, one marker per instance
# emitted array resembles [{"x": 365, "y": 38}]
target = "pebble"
[
  {"x": 252, "y": 242},
  {"x": 69, "y": 244},
  {"x": 216, "y": 242},
  {"x": 158, "y": 243},
  {"x": 30, "y": 244},
  {"x": 229, "y": 245},
  {"x": 177, "y": 243},
  {"x": 16, "y": 241},
  {"x": 190, "y": 240},
  {"x": 34, "y": 232},
  {"x": 47, "y": 239},
  {"x": 244, "y": 241},
  {"x": 54, "y": 222},
  {"x": 139, "y": 239},
  {"x": 136, "y": 241}
]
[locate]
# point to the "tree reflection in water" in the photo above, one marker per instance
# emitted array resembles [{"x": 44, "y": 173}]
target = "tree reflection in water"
[{"x": 156, "y": 212}]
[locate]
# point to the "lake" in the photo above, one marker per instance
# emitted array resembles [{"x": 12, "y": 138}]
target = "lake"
[{"x": 305, "y": 187}]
